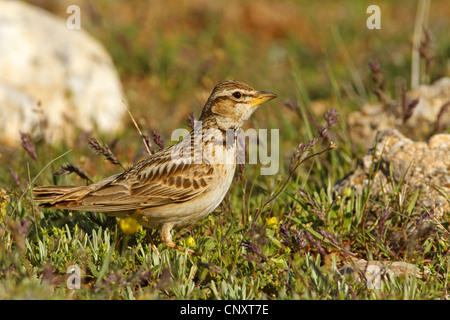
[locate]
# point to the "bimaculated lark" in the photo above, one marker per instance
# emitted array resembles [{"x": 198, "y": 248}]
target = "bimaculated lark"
[{"x": 179, "y": 185}]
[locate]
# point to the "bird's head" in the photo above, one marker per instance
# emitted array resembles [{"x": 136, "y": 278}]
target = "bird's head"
[{"x": 231, "y": 103}]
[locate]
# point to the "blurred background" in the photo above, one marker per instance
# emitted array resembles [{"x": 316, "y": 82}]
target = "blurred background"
[{"x": 170, "y": 54}]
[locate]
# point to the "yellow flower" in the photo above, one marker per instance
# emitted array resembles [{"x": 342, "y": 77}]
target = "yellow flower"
[
  {"x": 129, "y": 225},
  {"x": 347, "y": 192},
  {"x": 272, "y": 223},
  {"x": 190, "y": 242}
]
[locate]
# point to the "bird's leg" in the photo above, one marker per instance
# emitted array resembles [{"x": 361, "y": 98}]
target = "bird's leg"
[{"x": 166, "y": 238}]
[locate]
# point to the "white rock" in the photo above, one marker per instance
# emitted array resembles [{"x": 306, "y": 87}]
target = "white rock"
[
  {"x": 421, "y": 166},
  {"x": 374, "y": 272},
  {"x": 431, "y": 112},
  {"x": 50, "y": 74}
]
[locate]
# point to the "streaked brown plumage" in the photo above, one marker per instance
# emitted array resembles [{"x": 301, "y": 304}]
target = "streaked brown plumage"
[{"x": 178, "y": 185}]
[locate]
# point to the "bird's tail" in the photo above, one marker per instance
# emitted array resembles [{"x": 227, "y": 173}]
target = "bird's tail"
[{"x": 64, "y": 197}]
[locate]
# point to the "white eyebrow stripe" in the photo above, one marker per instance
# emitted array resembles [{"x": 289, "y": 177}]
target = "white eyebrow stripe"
[{"x": 230, "y": 92}]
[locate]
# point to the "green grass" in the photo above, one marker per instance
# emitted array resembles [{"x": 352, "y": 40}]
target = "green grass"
[{"x": 243, "y": 252}]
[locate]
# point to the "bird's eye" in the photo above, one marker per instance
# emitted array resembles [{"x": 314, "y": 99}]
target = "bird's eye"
[{"x": 237, "y": 94}]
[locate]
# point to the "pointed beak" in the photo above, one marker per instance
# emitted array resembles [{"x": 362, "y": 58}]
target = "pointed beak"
[{"x": 262, "y": 97}]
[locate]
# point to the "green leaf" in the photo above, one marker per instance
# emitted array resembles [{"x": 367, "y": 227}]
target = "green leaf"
[{"x": 105, "y": 266}]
